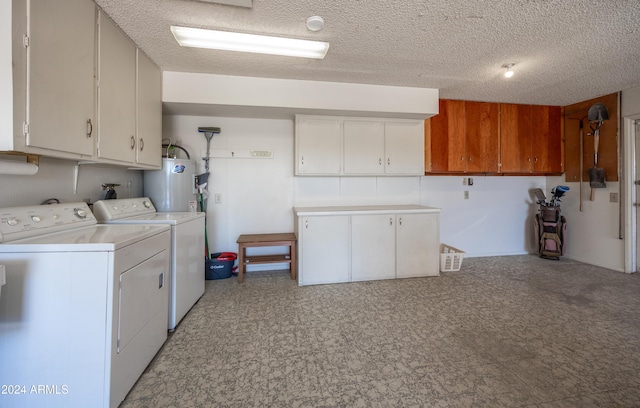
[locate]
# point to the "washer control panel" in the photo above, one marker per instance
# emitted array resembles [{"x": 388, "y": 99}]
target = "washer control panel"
[
  {"x": 25, "y": 222},
  {"x": 107, "y": 210}
]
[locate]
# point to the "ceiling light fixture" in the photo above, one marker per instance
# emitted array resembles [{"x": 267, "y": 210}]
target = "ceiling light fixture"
[
  {"x": 261, "y": 44},
  {"x": 509, "y": 72}
]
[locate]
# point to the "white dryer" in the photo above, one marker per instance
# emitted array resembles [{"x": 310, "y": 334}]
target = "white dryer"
[
  {"x": 187, "y": 273},
  {"x": 83, "y": 311}
]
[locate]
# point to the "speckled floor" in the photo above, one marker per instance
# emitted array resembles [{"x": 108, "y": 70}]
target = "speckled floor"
[{"x": 515, "y": 331}]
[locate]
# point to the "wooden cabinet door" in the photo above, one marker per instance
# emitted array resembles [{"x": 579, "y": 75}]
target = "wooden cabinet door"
[
  {"x": 61, "y": 76},
  {"x": 116, "y": 93},
  {"x": 417, "y": 245},
  {"x": 323, "y": 249},
  {"x": 482, "y": 142},
  {"x": 448, "y": 137},
  {"x": 515, "y": 138},
  {"x": 318, "y": 146},
  {"x": 404, "y": 148},
  {"x": 373, "y": 247},
  {"x": 547, "y": 139},
  {"x": 363, "y": 147},
  {"x": 149, "y": 118}
]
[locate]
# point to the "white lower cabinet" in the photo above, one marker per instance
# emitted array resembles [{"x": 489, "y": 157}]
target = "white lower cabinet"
[
  {"x": 323, "y": 245},
  {"x": 417, "y": 245},
  {"x": 348, "y": 244},
  {"x": 373, "y": 247}
]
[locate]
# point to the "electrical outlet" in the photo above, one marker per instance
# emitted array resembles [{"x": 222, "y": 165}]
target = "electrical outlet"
[
  {"x": 218, "y": 198},
  {"x": 613, "y": 197},
  {"x": 466, "y": 194},
  {"x": 464, "y": 181}
]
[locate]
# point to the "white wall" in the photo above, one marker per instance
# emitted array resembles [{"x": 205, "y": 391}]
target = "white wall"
[
  {"x": 593, "y": 234},
  {"x": 55, "y": 180},
  {"x": 258, "y": 194},
  {"x": 497, "y": 219}
]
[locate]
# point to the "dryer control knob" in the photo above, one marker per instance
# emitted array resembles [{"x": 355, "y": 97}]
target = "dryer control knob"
[
  {"x": 12, "y": 221},
  {"x": 35, "y": 218},
  {"x": 80, "y": 213},
  {"x": 147, "y": 204}
]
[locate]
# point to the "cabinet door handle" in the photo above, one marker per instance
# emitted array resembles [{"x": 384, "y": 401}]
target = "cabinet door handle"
[
  {"x": 388, "y": 161},
  {"x": 141, "y": 144},
  {"x": 161, "y": 281},
  {"x": 89, "y": 128},
  {"x": 469, "y": 158},
  {"x": 400, "y": 221},
  {"x": 380, "y": 161},
  {"x": 462, "y": 158},
  {"x": 133, "y": 142},
  {"x": 302, "y": 160},
  {"x": 306, "y": 224},
  {"x": 390, "y": 221}
]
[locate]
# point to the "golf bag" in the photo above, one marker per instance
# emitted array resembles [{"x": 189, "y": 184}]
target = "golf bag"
[{"x": 550, "y": 226}]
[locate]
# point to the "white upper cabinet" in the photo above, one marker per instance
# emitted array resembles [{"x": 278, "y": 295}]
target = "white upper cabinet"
[
  {"x": 318, "y": 146},
  {"x": 345, "y": 146},
  {"x": 71, "y": 95},
  {"x": 363, "y": 147},
  {"x": 404, "y": 148},
  {"x": 53, "y": 52},
  {"x": 149, "y": 109},
  {"x": 116, "y": 93},
  {"x": 61, "y": 76}
]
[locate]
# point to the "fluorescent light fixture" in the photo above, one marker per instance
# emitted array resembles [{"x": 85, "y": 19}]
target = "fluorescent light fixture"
[{"x": 261, "y": 44}]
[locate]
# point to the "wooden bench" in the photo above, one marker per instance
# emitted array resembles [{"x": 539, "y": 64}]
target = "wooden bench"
[{"x": 266, "y": 240}]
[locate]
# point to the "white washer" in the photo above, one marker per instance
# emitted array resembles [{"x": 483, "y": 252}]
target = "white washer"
[
  {"x": 83, "y": 311},
  {"x": 187, "y": 272}
]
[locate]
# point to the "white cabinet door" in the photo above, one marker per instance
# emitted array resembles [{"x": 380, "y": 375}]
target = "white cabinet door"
[
  {"x": 324, "y": 249},
  {"x": 417, "y": 245},
  {"x": 61, "y": 76},
  {"x": 149, "y": 103},
  {"x": 318, "y": 146},
  {"x": 404, "y": 148},
  {"x": 363, "y": 147},
  {"x": 116, "y": 93},
  {"x": 373, "y": 247}
]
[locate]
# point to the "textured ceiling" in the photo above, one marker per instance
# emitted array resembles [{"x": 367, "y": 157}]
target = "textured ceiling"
[{"x": 565, "y": 51}]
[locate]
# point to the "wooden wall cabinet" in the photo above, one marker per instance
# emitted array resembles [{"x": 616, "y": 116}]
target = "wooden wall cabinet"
[
  {"x": 608, "y": 148},
  {"x": 447, "y": 141},
  {"x": 530, "y": 139},
  {"x": 464, "y": 138},
  {"x": 546, "y": 122},
  {"x": 483, "y": 137},
  {"x": 516, "y": 138},
  {"x": 493, "y": 138}
]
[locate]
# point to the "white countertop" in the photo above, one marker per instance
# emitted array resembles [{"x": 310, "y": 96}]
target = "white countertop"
[{"x": 363, "y": 209}]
